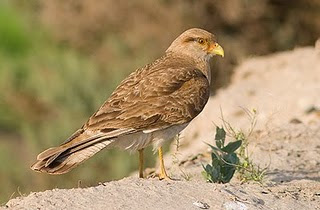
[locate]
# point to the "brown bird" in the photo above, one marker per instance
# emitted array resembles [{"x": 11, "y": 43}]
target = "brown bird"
[{"x": 152, "y": 105}]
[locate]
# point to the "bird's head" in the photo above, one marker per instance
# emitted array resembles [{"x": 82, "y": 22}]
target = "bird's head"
[{"x": 196, "y": 43}]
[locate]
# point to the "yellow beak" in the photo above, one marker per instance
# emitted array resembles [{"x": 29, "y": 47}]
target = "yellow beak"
[{"x": 216, "y": 49}]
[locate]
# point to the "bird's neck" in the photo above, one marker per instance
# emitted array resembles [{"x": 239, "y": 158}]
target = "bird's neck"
[{"x": 204, "y": 66}]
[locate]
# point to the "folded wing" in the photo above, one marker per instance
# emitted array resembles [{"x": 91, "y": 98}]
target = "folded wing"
[{"x": 163, "y": 94}]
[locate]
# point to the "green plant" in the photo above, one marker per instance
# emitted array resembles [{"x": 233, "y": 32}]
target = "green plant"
[
  {"x": 247, "y": 169},
  {"x": 224, "y": 159}
]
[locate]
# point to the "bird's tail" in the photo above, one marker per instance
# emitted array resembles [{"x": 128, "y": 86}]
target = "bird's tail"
[{"x": 78, "y": 148}]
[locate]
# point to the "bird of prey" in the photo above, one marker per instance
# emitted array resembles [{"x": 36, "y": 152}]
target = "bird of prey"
[{"x": 152, "y": 105}]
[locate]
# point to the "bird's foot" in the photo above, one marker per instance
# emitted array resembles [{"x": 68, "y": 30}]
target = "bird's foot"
[
  {"x": 164, "y": 177},
  {"x": 151, "y": 174}
]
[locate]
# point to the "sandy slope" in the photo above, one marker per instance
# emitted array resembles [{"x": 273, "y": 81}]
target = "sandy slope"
[{"x": 285, "y": 89}]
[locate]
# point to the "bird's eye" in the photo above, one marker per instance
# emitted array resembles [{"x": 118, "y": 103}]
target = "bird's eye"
[{"x": 201, "y": 41}]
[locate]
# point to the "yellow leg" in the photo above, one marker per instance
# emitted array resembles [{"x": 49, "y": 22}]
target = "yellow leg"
[
  {"x": 141, "y": 163},
  {"x": 163, "y": 173}
]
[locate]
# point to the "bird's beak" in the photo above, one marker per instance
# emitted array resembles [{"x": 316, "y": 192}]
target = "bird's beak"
[{"x": 216, "y": 49}]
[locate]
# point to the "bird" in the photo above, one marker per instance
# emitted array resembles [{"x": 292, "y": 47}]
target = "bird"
[{"x": 152, "y": 105}]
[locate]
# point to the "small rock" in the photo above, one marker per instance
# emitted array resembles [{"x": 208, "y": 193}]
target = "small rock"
[
  {"x": 201, "y": 205},
  {"x": 295, "y": 121}
]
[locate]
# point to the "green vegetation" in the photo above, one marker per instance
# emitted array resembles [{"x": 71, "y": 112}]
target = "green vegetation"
[
  {"x": 225, "y": 159},
  {"x": 247, "y": 169}
]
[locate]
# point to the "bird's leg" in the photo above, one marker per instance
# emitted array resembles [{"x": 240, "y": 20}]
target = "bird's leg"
[
  {"x": 141, "y": 163},
  {"x": 163, "y": 173}
]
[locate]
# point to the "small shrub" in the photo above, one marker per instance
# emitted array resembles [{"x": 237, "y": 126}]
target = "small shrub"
[
  {"x": 247, "y": 169},
  {"x": 224, "y": 159}
]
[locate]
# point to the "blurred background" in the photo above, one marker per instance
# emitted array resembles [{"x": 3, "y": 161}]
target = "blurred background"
[{"x": 60, "y": 59}]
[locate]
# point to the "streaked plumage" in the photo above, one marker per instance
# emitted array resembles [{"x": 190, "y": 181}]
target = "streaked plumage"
[{"x": 151, "y": 105}]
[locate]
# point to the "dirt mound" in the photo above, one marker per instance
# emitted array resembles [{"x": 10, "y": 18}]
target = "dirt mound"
[
  {"x": 133, "y": 193},
  {"x": 284, "y": 88}
]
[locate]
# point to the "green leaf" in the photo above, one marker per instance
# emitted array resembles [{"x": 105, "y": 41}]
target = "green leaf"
[
  {"x": 219, "y": 144},
  {"x": 231, "y": 158},
  {"x": 215, "y": 174},
  {"x": 220, "y": 137},
  {"x": 229, "y": 167},
  {"x": 208, "y": 168},
  {"x": 227, "y": 176},
  {"x": 220, "y": 133},
  {"x": 232, "y": 146},
  {"x": 216, "y": 162}
]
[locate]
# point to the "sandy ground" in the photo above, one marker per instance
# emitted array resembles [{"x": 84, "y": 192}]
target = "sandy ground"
[{"x": 285, "y": 90}]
